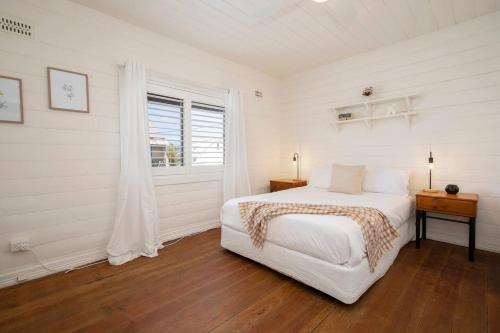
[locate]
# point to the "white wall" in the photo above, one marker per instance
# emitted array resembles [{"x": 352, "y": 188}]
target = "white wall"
[
  {"x": 59, "y": 170},
  {"x": 456, "y": 74}
]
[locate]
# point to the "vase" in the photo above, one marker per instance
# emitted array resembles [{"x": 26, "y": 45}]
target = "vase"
[{"x": 452, "y": 189}]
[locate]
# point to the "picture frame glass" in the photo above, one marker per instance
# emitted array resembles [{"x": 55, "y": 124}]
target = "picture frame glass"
[
  {"x": 68, "y": 90},
  {"x": 10, "y": 100}
]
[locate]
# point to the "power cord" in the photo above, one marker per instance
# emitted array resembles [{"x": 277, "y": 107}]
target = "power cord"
[{"x": 41, "y": 263}]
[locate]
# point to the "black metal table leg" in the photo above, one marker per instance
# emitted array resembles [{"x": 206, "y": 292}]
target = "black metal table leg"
[
  {"x": 417, "y": 229},
  {"x": 472, "y": 237},
  {"x": 424, "y": 225}
]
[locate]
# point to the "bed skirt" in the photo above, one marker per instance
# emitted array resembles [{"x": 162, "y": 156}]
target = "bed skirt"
[{"x": 342, "y": 282}]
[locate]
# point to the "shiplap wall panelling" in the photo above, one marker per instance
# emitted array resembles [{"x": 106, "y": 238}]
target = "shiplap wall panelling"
[
  {"x": 421, "y": 50},
  {"x": 463, "y": 10},
  {"x": 455, "y": 73},
  {"x": 484, "y": 6},
  {"x": 59, "y": 171},
  {"x": 443, "y": 12}
]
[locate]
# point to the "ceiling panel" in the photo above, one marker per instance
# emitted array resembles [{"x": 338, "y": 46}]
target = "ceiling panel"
[{"x": 281, "y": 37}]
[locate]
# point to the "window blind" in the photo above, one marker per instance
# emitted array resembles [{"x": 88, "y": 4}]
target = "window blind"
[
  {"x": 166, "y": 130},
  {"x": 207, "y": 132}
]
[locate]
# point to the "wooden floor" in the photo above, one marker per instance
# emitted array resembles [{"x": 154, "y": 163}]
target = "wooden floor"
[{"x": 196, "y": 286}]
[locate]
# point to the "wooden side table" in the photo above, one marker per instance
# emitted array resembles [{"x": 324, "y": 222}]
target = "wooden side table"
[
  {"x": 461, "y": 204},
  {"x": 285, "y": 184}
]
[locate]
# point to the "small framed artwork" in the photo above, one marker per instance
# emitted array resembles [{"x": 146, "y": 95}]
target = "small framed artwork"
[
  {"x": 11, "y": 100},
  {"x": 68, "y": 91}
]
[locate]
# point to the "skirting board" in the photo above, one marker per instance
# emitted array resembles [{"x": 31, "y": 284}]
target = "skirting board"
[
  {"x": 451, "y": 240},
  {"x": 83, "y": 258}
]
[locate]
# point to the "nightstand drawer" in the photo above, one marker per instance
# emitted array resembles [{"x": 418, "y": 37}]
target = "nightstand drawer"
[
  {"x": 447, "y": 206},
  {"x": 285, "y": 184},
  {"x": 277, "y": 186}
]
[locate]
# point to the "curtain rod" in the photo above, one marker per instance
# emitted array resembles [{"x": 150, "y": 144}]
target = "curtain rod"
[{"x": 182, "y": 84}]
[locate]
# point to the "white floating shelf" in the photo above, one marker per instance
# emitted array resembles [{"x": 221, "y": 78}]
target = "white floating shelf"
[
  {"x": 375, "y": 101},
  {"x": 368, "y": 111},
  {"x": 397, "y": 115}
]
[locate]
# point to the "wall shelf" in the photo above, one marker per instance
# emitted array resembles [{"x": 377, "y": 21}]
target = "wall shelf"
[{"x": 368, "y": 115}]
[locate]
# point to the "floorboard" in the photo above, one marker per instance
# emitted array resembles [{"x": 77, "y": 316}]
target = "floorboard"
[{"x": 196, "y": 286}]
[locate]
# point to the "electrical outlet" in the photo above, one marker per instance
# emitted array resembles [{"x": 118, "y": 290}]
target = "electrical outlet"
[
  {"x": 20, "y": 244},
  {"x": 22, "y": 277}
]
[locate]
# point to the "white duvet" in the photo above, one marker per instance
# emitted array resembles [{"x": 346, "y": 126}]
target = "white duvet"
[{"x": 335, "y": 239}]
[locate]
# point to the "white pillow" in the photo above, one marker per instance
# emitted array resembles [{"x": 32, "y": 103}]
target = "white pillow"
[
  {"x": 320, "y": 177},
  {"x": 390, "y": 181}
]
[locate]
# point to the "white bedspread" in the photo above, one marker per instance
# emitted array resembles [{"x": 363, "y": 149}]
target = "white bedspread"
[{"x": 335, "y": 239}]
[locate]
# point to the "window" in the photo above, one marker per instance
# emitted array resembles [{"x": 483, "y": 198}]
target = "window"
[
  {"x": 207, "y": 132},
  {"x": 186, "y": 130},
  {"x": 166, "y": 130}
]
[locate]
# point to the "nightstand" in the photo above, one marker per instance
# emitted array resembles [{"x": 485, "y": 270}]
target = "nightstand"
[
  {"x": 285, "y": 184},
  {"x": 461, "y": 204}
]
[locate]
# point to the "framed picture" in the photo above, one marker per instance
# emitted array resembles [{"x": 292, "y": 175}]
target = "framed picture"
[
  {"x": 11, "y": 100},
  {"x": 68, "y": 91}
]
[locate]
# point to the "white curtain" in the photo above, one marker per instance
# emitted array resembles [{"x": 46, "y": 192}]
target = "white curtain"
[
  {"x": 135, "y": 231},
  {"x": 236, "y": 180}
]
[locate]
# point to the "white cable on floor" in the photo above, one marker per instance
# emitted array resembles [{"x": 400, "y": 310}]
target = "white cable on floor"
[
  {"x": 41, "y": 263},
  {"x": 97, "y": 262},
  {"x": 174, "y": 242},
  {"x": 85, "y": 266}
]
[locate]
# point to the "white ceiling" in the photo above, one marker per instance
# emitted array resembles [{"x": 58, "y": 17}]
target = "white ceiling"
[{"x": 281, "y": 37}]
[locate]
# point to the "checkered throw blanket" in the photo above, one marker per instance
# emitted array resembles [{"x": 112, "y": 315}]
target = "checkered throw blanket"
[{"x": 377, "y": 231}]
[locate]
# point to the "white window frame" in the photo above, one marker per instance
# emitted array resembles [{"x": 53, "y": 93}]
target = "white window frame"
[{"x": 188, "y": 95}]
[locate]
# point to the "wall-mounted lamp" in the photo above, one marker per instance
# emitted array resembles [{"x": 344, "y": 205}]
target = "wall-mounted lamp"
[{"x": 296, "y": 162}]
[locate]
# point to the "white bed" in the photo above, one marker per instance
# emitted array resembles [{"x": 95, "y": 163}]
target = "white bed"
[{"x": 323, "y": 251}]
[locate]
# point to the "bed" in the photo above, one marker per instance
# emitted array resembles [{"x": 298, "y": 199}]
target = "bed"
[{"x": 323, "y": 251}]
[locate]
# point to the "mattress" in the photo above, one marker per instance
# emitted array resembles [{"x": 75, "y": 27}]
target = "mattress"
[{"x": 334, "y": 239}]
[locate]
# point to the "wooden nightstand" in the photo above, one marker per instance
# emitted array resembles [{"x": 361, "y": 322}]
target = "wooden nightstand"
[
  {"x": 285, "y": 184},
  {"x": 461, "y": 204}
]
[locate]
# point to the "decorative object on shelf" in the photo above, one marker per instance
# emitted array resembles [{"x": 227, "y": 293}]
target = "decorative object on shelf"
[
  {"x": 452, "y": 189},
  {"x": 344, "y": 116},
  {"x": 368, "y": 91},
  {"x": 68, "y": 91},
  {"x": 11, "y": 100},
  {"x": 431, "y": 166},
  {"x": 296, "y": 163}
]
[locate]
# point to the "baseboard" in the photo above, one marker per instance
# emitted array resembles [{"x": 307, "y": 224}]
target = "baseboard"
[
  {"x": 73, "y": 260},
  {"x": 182, "y": 231},
  {"x": 56, "y": 265},
  {"x": 451, "y": 240}
]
